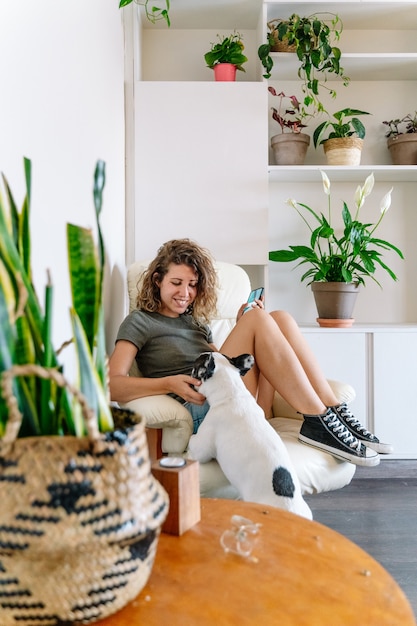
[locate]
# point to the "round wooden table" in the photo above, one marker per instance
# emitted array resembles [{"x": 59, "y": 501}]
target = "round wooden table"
[{"x": 302, "y": 573}]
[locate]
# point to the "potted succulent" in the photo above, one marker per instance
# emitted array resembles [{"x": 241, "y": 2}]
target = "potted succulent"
[
  {"x": 226, "y": 56},
  {"x": 313, "y": 39},
  {"x": 402, "y": 139},
  {"x": 153, "y": 12},
  {"x": 343, "y": 144},
  {"x": 291, "y": 144},
  {"x": 75, "y": 474},
  {"x": 335, "y": 262}
]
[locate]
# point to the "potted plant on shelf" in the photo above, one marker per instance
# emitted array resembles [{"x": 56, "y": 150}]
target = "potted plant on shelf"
[
  {"x": 226, "y": 56},
  {"x": 312, "y": 39},
  {"x": 75, "y": 474},
  {"x": 153, "y": 13},
  {"x": 343, "y": 145},
  {"x": 291, "y": 144},
  {"x": 339, "y": 264},
  {"x": 402, "y": 139}
]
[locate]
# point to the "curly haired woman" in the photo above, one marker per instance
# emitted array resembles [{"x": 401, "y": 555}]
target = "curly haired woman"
[{"x": 170, "y": 328}]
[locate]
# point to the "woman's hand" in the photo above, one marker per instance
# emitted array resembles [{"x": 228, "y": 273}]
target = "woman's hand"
[
  {"x": 254, "y": 304},
  {"x": 125, "y": 388},
  {"x": 182, "y": 385}
]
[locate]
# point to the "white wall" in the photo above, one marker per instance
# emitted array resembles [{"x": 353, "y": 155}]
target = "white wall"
[{"x": 62, "y": 106}]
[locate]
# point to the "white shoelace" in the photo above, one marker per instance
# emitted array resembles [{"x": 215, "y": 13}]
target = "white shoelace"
[
  {"x": 355, "y": 423},
  {"x": 342, "y": 432}
]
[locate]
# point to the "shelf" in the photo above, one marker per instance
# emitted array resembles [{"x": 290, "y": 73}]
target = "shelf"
[
  {"x": 210, "y": 14},
  {"x": 356, "y": 14},
  {"x": 244, "y": 14},
  {"x": 311, "y": 173},
  {"x": 382, "y": 66},
  {"x": 362, "y": 328}
]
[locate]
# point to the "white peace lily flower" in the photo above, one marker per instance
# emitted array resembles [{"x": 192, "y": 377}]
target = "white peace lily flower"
[
  {"x": 363, "y": 192},
  {"x": 291, "y": 202},
  {"x": 326, "y": 182},
  {"x": 359, "y": 199},
  {"x": 369, "y": 185},
  {"x": 386, "y": 201}
]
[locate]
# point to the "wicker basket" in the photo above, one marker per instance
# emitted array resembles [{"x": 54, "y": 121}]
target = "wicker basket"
[
  {"x": 343, "y": 150},
  {"x": 80, "y": 517},
  {"x": 278, "y": 45}
]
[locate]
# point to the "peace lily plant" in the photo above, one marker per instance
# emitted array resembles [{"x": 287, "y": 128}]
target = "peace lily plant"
[{"x": 353, "y": 256}]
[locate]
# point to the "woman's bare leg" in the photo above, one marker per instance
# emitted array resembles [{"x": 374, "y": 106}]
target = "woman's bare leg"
[
  {"x": 265, "y": 396},
  {"x": 259, "y": 334},
  {"x": 286, "y": 364},
  {"x": 305, "y": 355}
]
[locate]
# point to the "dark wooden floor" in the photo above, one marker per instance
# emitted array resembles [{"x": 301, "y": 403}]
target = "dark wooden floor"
[{"x": 378, "y": 512}]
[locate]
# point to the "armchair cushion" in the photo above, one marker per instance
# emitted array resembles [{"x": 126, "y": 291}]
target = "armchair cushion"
[{"x": 166, "y": 413}]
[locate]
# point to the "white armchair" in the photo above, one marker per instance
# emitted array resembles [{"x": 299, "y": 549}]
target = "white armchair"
[{"x": 317, "y": 471}]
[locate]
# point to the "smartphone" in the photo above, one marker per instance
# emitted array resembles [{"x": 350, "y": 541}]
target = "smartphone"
[{"x": 255, "y": 294}]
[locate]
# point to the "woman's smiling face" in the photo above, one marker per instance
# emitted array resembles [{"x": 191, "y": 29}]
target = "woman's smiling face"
[{"x": 178, "y": 289}]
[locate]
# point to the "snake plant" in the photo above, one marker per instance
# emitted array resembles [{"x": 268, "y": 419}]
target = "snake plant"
[{"x": 25, "y": 323}]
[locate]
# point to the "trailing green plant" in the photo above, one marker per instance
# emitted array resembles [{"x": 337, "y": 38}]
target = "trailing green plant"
[
  {"x": 227, "y": 50},
  {"x": 25, "y": 328},
  {"x": 291, "y": 117},
  {"x": 341, "y": 127},
  {"x": 153, "y": 12},
  {"x": 408, "y": 122},
  {"x": 313, "y": 38},
  {"x": 351, "y": 257}
]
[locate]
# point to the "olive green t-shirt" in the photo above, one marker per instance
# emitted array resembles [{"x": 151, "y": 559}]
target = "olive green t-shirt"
[{"x": 166, "y": 345}]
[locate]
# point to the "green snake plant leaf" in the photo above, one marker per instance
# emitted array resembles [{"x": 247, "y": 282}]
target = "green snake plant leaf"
[
  {"x": 7, "y": 341},
  {"x": 84, "y": 278},
  {"x": 101, "y": 355},
  {"x": 30, "y": 334},
  {"x": 89, "y": 381}
]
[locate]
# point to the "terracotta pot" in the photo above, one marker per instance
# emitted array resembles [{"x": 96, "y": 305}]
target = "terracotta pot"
[
  {"x": 290, "y": 148},
  {"x": 343, "y": 150},
  {"x": 403, "y": 149},
  {"x": 335, "y": 303},
  {"x": 224, "y": 72}
]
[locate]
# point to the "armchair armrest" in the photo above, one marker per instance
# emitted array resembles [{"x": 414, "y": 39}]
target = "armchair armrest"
[
  {"x": 281, "y": 408},
  {"x": 164, "y": 412}
]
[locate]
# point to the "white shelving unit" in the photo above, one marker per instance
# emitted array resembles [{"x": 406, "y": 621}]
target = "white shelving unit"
[
  {"x": 354, "y": 174},
  {"x": 245, "y": 215},
  {"x": 379, "y": 354}
]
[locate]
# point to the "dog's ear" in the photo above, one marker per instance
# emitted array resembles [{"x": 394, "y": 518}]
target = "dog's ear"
[
  {"x": 243, "y": 362},
  {"x": 203, "y": 366}
]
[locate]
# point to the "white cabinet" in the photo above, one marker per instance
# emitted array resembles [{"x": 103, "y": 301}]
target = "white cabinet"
[
  {"x": 342, "y": 356},
  {"x": 380, "y": 362},
  {"x": 394, "y": 386}
]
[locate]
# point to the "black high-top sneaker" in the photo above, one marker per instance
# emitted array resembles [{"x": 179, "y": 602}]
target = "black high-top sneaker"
[
  {"x": 327, "y": 433},
  {"x": 343, "y": 413}
]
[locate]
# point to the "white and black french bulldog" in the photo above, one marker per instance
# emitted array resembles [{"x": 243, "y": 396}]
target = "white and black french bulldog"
[{"x": 235, "y": 432}]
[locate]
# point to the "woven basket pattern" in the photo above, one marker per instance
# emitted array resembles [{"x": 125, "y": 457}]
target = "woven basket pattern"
[
  {"x": 343, "y": 150},
  {"x": 79, "y": 525},
  {"x": 278, "y": 45}
]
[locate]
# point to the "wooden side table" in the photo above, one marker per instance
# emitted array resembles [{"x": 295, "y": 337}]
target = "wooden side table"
[{"x": 305, "y": 575}]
